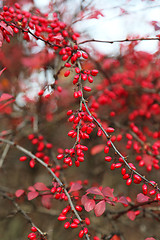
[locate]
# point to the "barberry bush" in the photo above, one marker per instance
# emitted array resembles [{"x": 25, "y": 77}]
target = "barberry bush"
[{"x": 79, "y": 133}]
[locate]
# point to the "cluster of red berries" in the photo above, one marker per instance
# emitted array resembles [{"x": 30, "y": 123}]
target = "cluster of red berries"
[
  {"x": 74, "y": 222},
  {"x": 33, "y": 234}
]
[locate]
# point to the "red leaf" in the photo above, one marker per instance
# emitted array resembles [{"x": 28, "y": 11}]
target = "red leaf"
[
  {"x": 123, "y": 200},
  {"x": 95, "y": 14},
  {"x": 115, "y": 237},
  {"x": 75, "y": 187},
  {"x": 96, "y": 149},
  {"x": 1, "y": 38},
  {"x": 151, "y": 238},
  {"x": 46, "y": 201},
  {"x": 5, "y": 96},
  {"x": 108, "y": 192},
  {"x": 89, "y": 204},
  {"x": 142, "y": 198},
  {"x": 148, "y": 159},
  {"x": 131, "y": 215},
  {"x": 84, "y": 199},
  {"x": 19, "y": 193},
  {"x": 7, "y": 28},
  {"x": 2, "y": 71},
  {"x": 40, "y": 186},
  {"x": 31, "y": 188},
  {"x": 32, "y": 195},
  {"x": 100, "y": 208},
  {"x": 94, "y": 190}
]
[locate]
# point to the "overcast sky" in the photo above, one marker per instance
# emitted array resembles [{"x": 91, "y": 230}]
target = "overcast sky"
[{"x": 115, "y": 25}]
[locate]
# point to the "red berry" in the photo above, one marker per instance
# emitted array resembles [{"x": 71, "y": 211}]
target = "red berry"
[
  {"x": 85, "y": 230},
  {"x": 60, "y": 156},
  {"x": 106, "y": 149},
  {"x": 129, "y": 181},
  {"x": 78, "y": 208},
  {"x": 32, "y": 236},
  {"x": 33, "y": 229},
  {"x": 81, "y": 233},
  {"x": 62, "y": 218},
  {"x": 76, "y": 221},
  {"x": 73, "y": 225},
  {"x": 94, "y": 72},
  {"x": 87, "y": 221},
  {"x": 123, "y": 171},
  {"x": 108, "y": 158},
  {"x": 85, "y": 55},
  {"x": 49, "y": 145},
  {"x": 67, "y": 225},
  {"x": 67, "y": 73},
  {"x": 88, "y": 89},
  {"x": 158, "y": 196},
  {"x": 90, "y": 79},
  {"x": 23, "y": 158},
  {"x": 41, "y": 92},
  {"x": 32, "y": 163},
  {"x": 113, "y": 166},
  {"x": 144, "y": 189},
  {"x": 17, "y": 5},
  {"x": 110, "y": 129}
]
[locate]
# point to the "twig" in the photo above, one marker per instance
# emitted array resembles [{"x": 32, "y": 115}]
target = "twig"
[
  {"x": 21, "y": 211},
  {"x": 5, "y": 151},
  {"x": 28, "y": 153},
  {"x": 119, "y": 41},
  {"x": 132, "y": 207}
]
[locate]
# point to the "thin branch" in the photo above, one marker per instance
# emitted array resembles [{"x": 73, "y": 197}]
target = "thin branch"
[
  {"x": 132, "y": 207},
  {"x": 20, "y": 210},
  {"x": 28, "y": 153},
  {"x": 119, "y": 41},
  {"x": 4, "y": 154}
]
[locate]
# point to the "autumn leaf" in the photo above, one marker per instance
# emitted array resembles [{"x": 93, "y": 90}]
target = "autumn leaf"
[
  {"x": 1, "y": 38},
  {"x": 3, "y": 68},
  {"x": 94, "y": 190},
  {"x": 31, "y": 188},
  {"x": 89, "y": 204},
  {"x": 75, "y": 187},
  {"x": 19, "y": 193},
  {"x": 7, "y": 28},
  {"x": 131, "y": 215},
  {"x": 151, "y": 238},
  {"x": 115, "y": 237},
  {"x": 100, "y": 208},
  {"x": 6, "y": 97},
  {"x": 95, "y": 14},
  {"x": 142, "y": 198},
  {"x": 46, "y": 201},
  {"x": 97, "y": 149},
  {"x": 123, "y": 200},
  {"x": 40, "y": 186},
  {"x": 108, "y": 192},
  {"x": 32, "y": 195}
]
